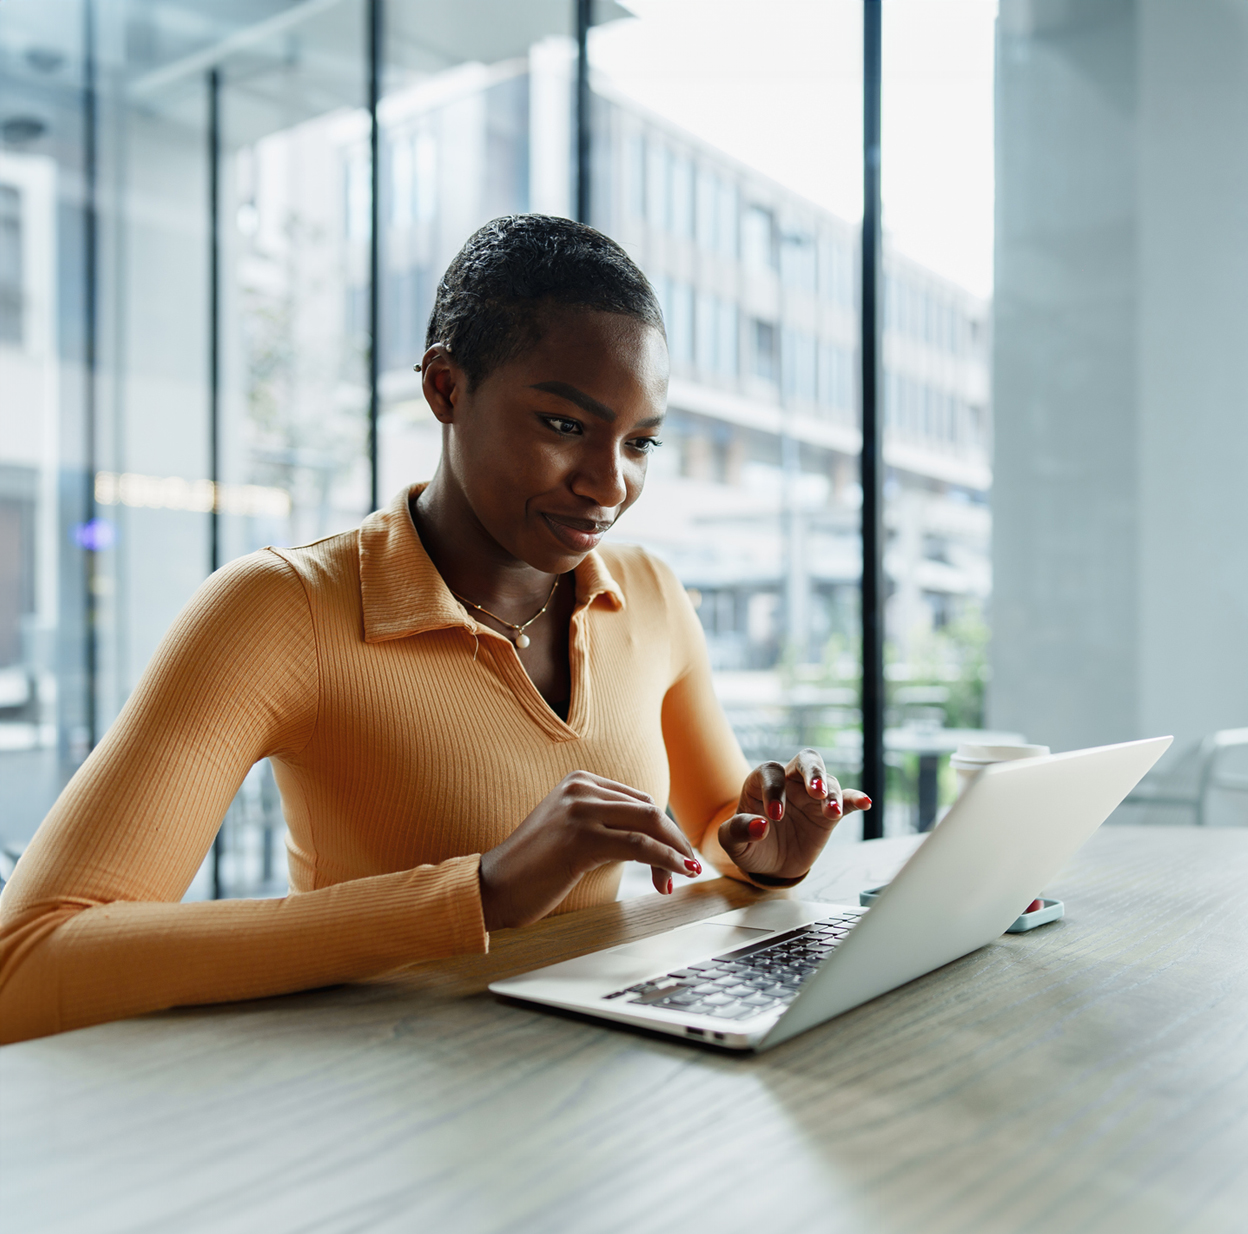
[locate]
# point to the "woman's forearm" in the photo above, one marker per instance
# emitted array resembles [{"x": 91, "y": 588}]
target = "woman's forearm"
[{"x": 67, "y": 965}]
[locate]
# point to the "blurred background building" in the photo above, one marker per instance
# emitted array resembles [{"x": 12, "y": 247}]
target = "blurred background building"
[{"x": 186, "y": 214}]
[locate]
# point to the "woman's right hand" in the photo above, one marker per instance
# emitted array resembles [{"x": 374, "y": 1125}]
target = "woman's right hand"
[{"x": 586, "y": 821}]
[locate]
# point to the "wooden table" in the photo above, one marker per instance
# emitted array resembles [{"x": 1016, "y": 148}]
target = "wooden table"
[{"x": 1092, "y": 1076}]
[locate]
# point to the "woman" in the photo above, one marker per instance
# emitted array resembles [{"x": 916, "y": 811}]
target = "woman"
[{"x": 473, "y": 713}]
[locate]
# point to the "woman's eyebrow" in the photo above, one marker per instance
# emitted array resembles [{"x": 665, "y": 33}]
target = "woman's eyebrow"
[{"x": 579, "y": 397}]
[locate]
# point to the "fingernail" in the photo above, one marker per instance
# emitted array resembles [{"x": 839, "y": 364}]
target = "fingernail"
[
  {"x": 866, "y": 804},
  {"x": 834, "y": 806},
  {"x": 694, "y": 867},
  {"x": 669, "y": 886},
  {"x": 775, "y": 809},
  {"x": 758, "y": 828},
  {"x": 816, "y": 786}
]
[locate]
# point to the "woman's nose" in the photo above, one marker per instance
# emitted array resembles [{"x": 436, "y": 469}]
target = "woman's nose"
[{"x": 601, "y": 479}]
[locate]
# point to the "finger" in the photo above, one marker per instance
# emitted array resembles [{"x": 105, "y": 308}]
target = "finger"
[
  {"x": 647, "y": 818},
  {"x": 662, "y": 881},
  {"x": 612, "y": 786},
  {"x": 807, "y": 772},
  {"x": 855, "y": 800},
  {"x": 740, "y": 831},
  {"x": 771, "y": 778},
  {"x": 598, "y": 793},
  {"x": 808, "y": 783},
  {"x": 613, "y": 844}
]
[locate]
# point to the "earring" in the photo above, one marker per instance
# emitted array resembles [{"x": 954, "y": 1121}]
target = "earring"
[{"x": 415, "y": 368}]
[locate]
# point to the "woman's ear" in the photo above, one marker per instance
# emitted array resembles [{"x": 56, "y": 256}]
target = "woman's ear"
[{"x": 442, "y": 382}]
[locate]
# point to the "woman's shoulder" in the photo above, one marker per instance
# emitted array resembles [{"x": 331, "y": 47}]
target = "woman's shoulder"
[
  {"x": 327, "y": 571},
  {"x": 330, "y": 558},
  {"x": 273, "y": 580},
  {"x": 641, "y": 575}
]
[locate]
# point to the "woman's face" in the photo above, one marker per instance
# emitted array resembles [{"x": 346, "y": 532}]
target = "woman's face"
[{"x": 550, "y": 449}]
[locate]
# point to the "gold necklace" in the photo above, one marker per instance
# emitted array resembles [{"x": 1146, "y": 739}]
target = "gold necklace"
[{"x": 520, "y": 638}]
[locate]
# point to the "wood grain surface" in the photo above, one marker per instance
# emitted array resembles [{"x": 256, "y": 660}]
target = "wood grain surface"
[{"x": 1089, "y": 1076}]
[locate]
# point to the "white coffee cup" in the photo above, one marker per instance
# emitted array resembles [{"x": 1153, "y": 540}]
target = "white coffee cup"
[{"x": 970, "y": 760}]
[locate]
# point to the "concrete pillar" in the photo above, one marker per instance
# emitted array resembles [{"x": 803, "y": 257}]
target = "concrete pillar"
[{"x": 1121, "y": 370}]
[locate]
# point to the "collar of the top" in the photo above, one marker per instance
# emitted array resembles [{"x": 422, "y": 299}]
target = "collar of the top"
[{"x": 403, "y": 593}]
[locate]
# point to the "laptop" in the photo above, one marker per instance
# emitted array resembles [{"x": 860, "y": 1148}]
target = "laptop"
[{"x": 753, "y": 977}]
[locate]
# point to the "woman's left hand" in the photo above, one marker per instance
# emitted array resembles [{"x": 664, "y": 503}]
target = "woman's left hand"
[{"x": 786, "y": 815}]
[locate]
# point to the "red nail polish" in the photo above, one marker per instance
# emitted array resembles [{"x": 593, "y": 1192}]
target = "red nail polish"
[
  {"x": 816, "y": 786},
  {"x": 834, "y": 806},
  {"x": 758, "y": 828},
  {"x": 866, "y": 804},
  {"x": 694, "y": 867},
  {"x": 775, "y": 809},
  {"x": 669, "y": 886}
]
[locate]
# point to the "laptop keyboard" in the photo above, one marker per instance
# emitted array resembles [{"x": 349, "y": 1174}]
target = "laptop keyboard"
[{"x": 749, "y": 981}]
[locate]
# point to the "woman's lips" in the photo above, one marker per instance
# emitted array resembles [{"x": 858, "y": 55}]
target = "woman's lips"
[{"x": 578, "y": 534}]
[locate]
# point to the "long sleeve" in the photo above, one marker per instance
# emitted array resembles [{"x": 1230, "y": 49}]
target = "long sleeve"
[
  {"x": 90, "y": 924},
  {"x": 706, "y": 763}
]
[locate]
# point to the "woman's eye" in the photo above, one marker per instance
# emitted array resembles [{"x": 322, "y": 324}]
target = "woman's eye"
[
  {"x": 567, "y": 428},
  {"x": 646, "y": 444}
]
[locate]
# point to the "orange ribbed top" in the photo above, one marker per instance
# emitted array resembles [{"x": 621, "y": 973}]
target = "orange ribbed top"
[{"x": 406, "y": 740}]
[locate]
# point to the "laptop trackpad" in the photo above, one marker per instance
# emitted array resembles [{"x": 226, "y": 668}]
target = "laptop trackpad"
[
  {"x": 697, "y": 940},
  {"x": 602, "y": 972},
  {"x": 649, "y": 957}
]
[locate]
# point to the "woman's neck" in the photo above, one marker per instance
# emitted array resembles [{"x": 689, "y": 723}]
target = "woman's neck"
[{"x": 471, "y": 562}]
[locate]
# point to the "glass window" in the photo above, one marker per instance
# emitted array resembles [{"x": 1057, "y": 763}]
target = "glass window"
[
  {"x": 663, "y": 291},
  {"x": 707, "y": 319},
  {"x": 299, "y": 275},
  {"x": 708, "y": 191},
  {"x": 658, "y": 190},
  {"x": 836, "y": 271},
  {"x": 797, "y": 262},
  {"x": 766, "y": 348},
  {"x": 798, "y": 360},
  {"x": 637, "y": 175},
  {"x": 680, "y": 324},
  {"x": 835, "y": 377},
  {"x": 682, "y": 202},
  {"x": 12, "y": 290},
  {"x": 729, "y": 330},
  {"x": 729, "y": 213},
  {"x": 758, "y": 238}
]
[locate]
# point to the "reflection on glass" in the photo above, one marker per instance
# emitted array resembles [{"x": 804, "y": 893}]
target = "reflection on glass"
[{"x": 296, "y": 210}]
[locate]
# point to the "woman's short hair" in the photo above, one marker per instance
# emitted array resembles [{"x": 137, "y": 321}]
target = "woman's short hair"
[{"x": 490, "y": 302}]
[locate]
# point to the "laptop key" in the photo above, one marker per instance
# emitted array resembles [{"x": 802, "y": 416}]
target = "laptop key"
[
  {"x": 647, "y": 1000},
  {"x": 683, "y": 999}
]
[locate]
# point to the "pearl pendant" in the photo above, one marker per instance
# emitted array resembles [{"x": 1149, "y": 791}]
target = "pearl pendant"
[{"x": 522, "y": 640}]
